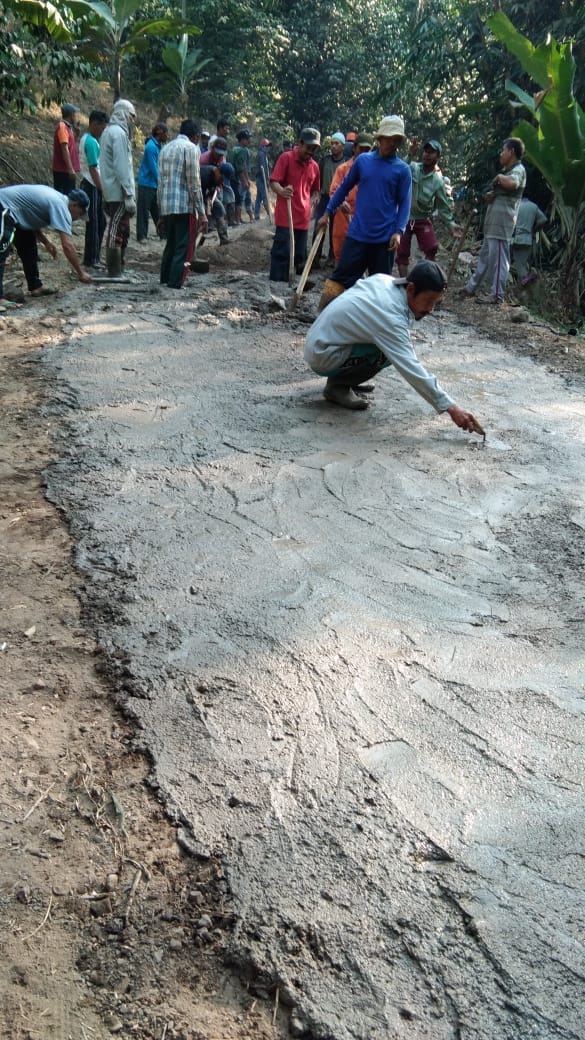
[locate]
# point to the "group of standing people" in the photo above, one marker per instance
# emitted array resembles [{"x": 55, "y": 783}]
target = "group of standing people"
[{"x": 372, "y": 202}]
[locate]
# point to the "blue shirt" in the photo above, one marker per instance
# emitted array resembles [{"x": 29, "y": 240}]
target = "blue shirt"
[
  {"x": 383, "y": 200},
  {"x": 36, "y": 206},
  {"x": 148, "y": 171}
]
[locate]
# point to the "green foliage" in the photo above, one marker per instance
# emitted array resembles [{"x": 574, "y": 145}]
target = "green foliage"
[
  {"x": 185, "y": 67},
  {"x": 36, "y": 56},
  {"x": 113, "y": 31}
]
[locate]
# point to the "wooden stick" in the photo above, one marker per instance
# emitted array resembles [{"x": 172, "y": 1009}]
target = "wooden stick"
[
  {"x": 43, "y": 922},
  {"x": 40, "y": 799},
  {"x": 268, "y": 209},
  {"x": 291, "y": 244},
  {"x": 459, "y": 245},
  {"x": 307, "y": 268}
]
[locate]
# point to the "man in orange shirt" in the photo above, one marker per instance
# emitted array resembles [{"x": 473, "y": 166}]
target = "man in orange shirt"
[
  {"x": 295, "y": 177},
  {"x": 362, "y": 143},
  {"x": 65, "y": 163}
]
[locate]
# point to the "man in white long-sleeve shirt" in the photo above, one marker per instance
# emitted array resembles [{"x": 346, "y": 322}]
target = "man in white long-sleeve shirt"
[{"x": 367, "y": 328}]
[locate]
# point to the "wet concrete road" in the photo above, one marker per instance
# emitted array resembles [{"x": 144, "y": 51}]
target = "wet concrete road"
[{"x": 353, "y": 644}]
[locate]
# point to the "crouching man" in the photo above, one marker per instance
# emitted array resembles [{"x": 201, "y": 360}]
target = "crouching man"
[{"x": 367, "y": 328}]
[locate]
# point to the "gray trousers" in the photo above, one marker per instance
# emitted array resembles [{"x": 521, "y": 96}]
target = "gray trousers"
[{"x": 494, "y": 263}]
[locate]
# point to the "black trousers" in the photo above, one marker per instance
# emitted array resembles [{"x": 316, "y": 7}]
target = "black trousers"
[
  {"x": 358, "y": 369},
  {"x": 358, "y": 257},
  {"x": 96, "y": 225},
  {"x": 172, "y": 267},
  {"x": 25, "y": 243},
  {"x": 146, "y": 205},
  {"x": 279, "y": 253},
  {"x": 63, "y": 182}
]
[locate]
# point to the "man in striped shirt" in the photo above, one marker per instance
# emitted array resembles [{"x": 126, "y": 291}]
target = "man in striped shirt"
[{"x": 180, "y": 201}]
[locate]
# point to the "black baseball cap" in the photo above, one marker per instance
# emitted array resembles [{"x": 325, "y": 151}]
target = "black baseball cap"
[{"x": 428, "y": 276}]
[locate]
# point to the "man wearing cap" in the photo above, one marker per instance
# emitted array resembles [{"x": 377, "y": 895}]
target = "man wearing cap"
[
  {"x": 215, "y": 156},
  {"x": 428, "y": 194},
  {"x": 262, "y": 175},
  {"x": 180, "y": 201},
  {"x": 295, "y": 177},
  {"x": 381, "y": 210},
  {"x": 327, "y": 167},
  {"x": 32, "y": 208},
  {"x": 147, "y": 181},
  {"x": 212, "y": 182},
  {"x": 118, "y": 185},
  {"x": 368, "y": 328},
  {"x": 91, "y": 182},
  {"x": 65, "y": 163},
  {"x": 362, "y": 143},
  {"x": 204, "y": 141}
]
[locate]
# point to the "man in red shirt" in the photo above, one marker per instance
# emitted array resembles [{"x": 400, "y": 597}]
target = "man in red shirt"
[
  {"x": 295, "y": 177},
  {"x": 65, "y": 163}
]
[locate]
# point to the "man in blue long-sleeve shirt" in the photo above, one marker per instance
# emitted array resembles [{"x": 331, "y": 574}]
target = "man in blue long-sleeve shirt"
[
  {"x": 147, "y": 181},
  {"x": 381, "y": 211}
]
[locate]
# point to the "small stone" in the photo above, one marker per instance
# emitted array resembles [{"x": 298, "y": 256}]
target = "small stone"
[
  {"x": 96, "y": 978},
  {"x": 55, "y": 836},
  {"x": 100, "y": 907},
  {"x": 204, "y": 921},
  {"x": 22, "y": 893},
  {"x": 115, "y": 926},
  {"x": 297, "y": 1026},
  {"x": 175, "y": 944},
  {"x": 196, "y": 898},
  {"x": 39, "y": 684},
  {"x": 19, "y": 975},
  {"x": 112, "y": 881}
]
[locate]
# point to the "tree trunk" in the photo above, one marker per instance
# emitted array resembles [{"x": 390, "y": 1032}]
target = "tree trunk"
[{"x": 117, "y": 76}]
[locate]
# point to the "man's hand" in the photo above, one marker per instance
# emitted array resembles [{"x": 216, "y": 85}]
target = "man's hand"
[
  {"x": 465, "y": 420},
  {"x": 202, "y": 224},
  {"x": 130, "y": 205},
  {"x": 489, "y": 197},
  {"x": 414, "y": 147},
  {"x": 322, "y": 222},
  {"x": 85, "y": 278},
  {"x": 394, "y": 241},
  {"x": 285, "y": 191},
  {"x": 457, "y": 232},
  {"x": 345, "y": 208}
]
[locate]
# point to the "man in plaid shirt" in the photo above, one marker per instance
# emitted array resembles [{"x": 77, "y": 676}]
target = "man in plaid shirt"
[{"x": 180, "y": 201}]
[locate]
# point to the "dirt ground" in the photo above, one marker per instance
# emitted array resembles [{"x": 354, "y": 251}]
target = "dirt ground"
[{"x": 111, "y": 925}]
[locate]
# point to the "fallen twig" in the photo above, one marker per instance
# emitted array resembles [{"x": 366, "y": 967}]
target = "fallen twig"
[
  {"x": 275, "y": 1011},
  {"x": 141, "y": 872},
  {"x": 40, "y": 799},
  {"x": 43, "y": 922}
]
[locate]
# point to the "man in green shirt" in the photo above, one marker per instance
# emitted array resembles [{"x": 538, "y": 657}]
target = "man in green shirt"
[
  {"x": 89, "y": 155},
  {"x": 428, "y": 194}
]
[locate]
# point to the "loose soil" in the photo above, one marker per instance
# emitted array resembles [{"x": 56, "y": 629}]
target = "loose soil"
[{"x": 111, "y": 924}]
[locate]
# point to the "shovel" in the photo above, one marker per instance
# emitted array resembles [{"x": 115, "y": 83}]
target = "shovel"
[
  {"x": 306, "y": 269},
  {"x": 291, "y": 245}
]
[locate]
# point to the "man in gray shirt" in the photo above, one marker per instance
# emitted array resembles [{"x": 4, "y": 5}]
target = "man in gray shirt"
[
  {"x": 33, "y": 207},
  {"x": 367, "y": 328},
  {"x": 500, "y": 219}
]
